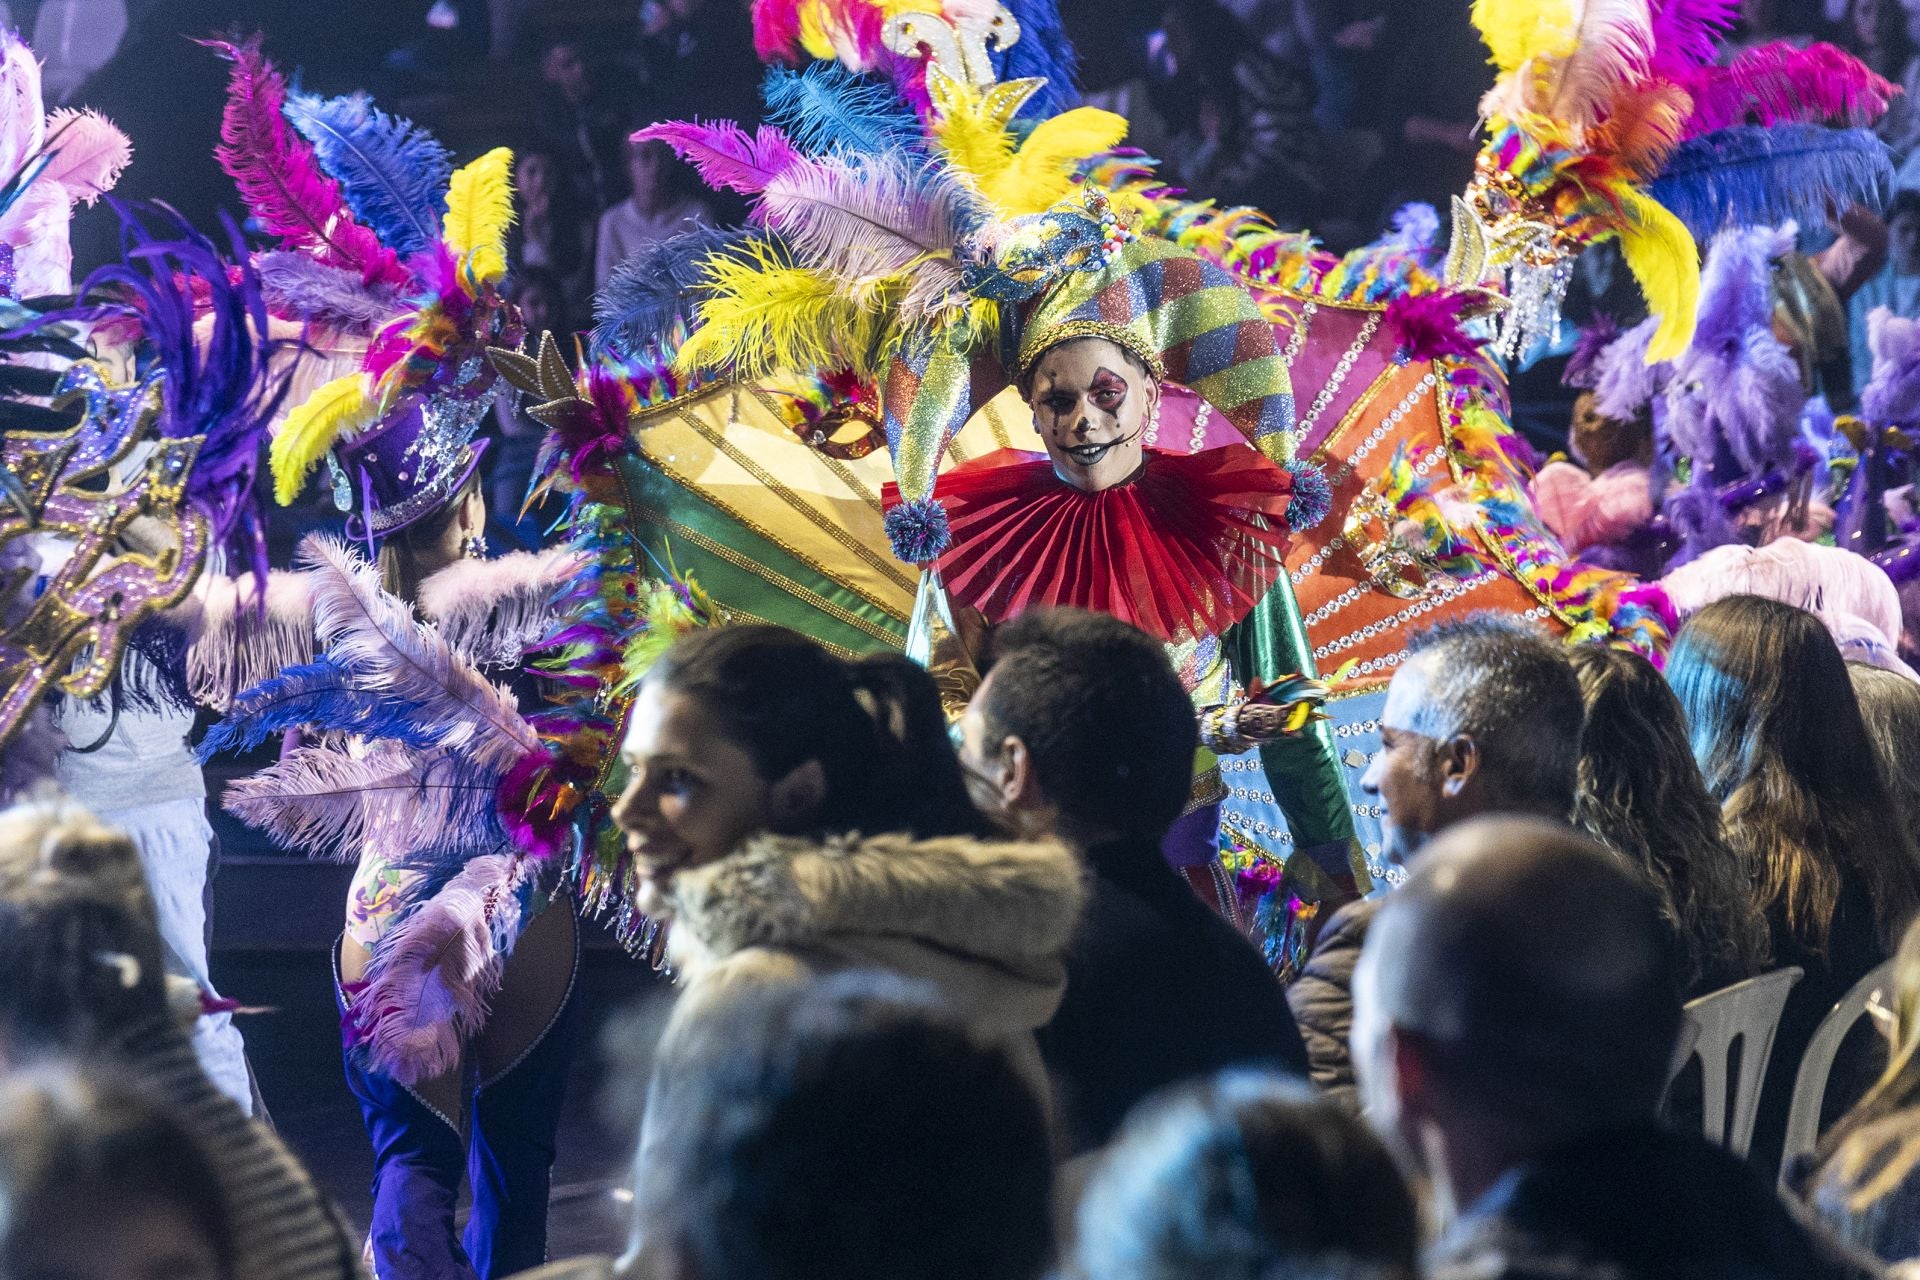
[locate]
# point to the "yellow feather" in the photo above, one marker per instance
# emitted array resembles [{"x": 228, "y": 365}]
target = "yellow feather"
[
  {"x": 1518, "y": 30},
  {"x": 1041, "y": 172},
  {"x": 1664, "y": 259},
  {"x": 1016, "y": 178},
  {"x": 763, "y": 314},
  {"x": 337, "y": 409},
  {"x": 479, "y": 211}
]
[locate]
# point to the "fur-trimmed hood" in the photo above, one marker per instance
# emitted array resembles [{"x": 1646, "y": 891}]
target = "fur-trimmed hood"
[{"x": 986, "y": 921}]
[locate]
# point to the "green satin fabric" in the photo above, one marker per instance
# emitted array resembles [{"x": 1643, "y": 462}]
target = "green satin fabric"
[{"x": 1303, "y": 772}]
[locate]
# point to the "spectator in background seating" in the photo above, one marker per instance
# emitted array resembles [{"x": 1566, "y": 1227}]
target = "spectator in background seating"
[
  {"x": 1867, "y": 1183},
  {"x": 1890, "y": 706},
  {"x": 1246, "y": 1175},
  {"x": 1516, "y": 1010},
  {"x": 1641, "y": 795},
  {"x": 1781, "y": 744},
  {"x": 101, "y": 1184},
  {"x": 1875, "y": 32},
  {"x": 1896, "y": 286},
  {"x": 1240, "y": 119},
  {"x": 582, "y": 120},
  {"x": 1483, "y": 717},
  {"x": 542, "y": 300},
  {"x": 659, "y": 206},
  {"x": 852, "y": 1128},
  {"x": 550, "y": 231},
  {"x": 1080, "y": 729}
]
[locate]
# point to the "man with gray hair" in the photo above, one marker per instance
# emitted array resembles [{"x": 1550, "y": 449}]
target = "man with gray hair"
[
  {"x": 1482, "y": 717},
  {"x": 1516, "y": 1008}
]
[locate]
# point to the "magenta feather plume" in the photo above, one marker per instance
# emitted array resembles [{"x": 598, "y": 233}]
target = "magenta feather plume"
[
  {"x": 1777, "y": 84},
  {"x": 1427, "y": 326},
  {"x": 376, "y": 637},
  {"x": 1687, "y": 33},
  {"x": 776, "y": 30},
  {"x": 436, "y": 971},
  {"x": 725, "y": 154},
  {"x": 279, "y": 177}
]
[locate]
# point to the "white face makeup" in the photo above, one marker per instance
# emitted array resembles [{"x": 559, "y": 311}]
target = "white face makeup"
[{"x": 1090, "y": 405}]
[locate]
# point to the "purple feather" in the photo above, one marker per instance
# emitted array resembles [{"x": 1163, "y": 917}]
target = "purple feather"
[
  {"x": 1582, "y": 365},
  {"x": 298, "y": 286},
  {"x": 1892, "y": 396},
  {"x": 1623, "y": 382},
  {"x": 1687, "y": 33}
]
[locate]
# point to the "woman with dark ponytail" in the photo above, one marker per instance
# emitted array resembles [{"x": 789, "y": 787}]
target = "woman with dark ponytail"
[{"x": 793, "y": 813}]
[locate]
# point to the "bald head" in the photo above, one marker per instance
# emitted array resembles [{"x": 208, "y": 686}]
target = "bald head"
[{"x": 1534, "y": 971}]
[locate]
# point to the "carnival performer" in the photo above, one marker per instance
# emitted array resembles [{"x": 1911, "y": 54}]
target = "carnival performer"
[{"x": 456, "y": 966}]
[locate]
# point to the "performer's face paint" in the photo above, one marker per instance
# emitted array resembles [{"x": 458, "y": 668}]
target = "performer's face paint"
[
  {"x": 692, "y": 794},
  {"x": 1090, "y": 405}
]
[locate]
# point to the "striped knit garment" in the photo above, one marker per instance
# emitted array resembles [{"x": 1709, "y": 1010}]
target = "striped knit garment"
[{"x": 284, "y": 1228}]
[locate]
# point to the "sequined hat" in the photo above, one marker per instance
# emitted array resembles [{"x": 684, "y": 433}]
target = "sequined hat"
[{"x": 408, "y": 468}]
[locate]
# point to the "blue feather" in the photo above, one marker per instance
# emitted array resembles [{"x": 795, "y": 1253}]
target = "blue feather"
[
  {"x": 1042, "y": 51},
  {"x": 393, "y": 173},
  {"x": 827, "y": 108},
  {"x": 656, "y": 286},
  {"x": 316, "y": 695},
  {"x": 1751, "y": 174}
]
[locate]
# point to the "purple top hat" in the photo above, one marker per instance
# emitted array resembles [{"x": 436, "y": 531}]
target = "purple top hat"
[{"x": 410, "y": 466}]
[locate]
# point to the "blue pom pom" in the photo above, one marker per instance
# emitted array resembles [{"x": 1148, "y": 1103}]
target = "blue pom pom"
[
  {"x": 1312, "y": 496},
  {"x": 918, "y": 530}
]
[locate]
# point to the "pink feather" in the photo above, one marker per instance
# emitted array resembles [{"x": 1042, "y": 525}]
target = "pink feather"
[
  {"x": 375, "y": 635},
  {"x": 279, "y": 178},
  {"x": 327, "y": 803},
  {"x": 1687, "y": 33},
  {"x": 724, "y": 154},
  {"x": 776, "y": 30},
  {"x": 37, "y": 228},
  {"x": 22, "y": 117},
  {"x": 435, "y": 972},
  {"x": 1777, "y": 83},
  {"x": 88, "y": 152}
]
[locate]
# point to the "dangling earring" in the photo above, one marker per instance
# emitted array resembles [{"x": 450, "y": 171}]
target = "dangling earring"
[
  {"x": 474, "y": 546},
  {"x": 1153, "y": 422}
]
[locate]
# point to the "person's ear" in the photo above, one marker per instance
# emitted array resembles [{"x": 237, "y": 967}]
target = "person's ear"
[
  {"x": 796, "y": 798},
  {"x": 1019, "y": 783},
  {"x": 1459, "y": 761}
]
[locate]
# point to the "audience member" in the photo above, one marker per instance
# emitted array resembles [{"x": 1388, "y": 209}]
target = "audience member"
[
  {"x": 1867, "y": 1184},
  {"x": 1483, "y": 717},
  {"x": 582, "y": 121},
  {"x": 1246, "y": 1176},
  {"x": 100, "y": 1184},
  {"x": 1896, "y": 286},
  {"x": 550, "y": 229},
  {"x": 541, "y": 297},
  {"x": 659, "y": 205},
  {"x": 1890, "y": 707},
  {"x": 1516, "y": 1012},
  {"x": 81, "y": 950},
  {"x": 1240, "y": 120},
  {"x": 1875, "y": 32},
  {"x": 1782, "y": 746},
  {"x": 1641, "y": 795},
  {"x": 1081, "y": 729},
  {"x": 793, "y": 813},
  {"x": 852, "y": 1129}
]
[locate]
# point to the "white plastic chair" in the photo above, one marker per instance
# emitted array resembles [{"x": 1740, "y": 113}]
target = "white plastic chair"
[
  {"x": 1748, "y": 1014},
  {"x": 1816, "y": 1065}
]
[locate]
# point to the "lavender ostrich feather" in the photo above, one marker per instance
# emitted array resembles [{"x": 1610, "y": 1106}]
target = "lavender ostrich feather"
[
  {"x": 1892, "y": 396},
  {"x": 1623, "y": 382},
  {"x": 299, "y": 286}
]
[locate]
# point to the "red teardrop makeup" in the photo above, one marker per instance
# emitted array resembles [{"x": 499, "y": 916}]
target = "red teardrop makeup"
[{"x": 1090, "y": 405}]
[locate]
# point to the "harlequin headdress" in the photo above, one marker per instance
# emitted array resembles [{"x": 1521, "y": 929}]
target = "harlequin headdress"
[
  {"x": 1610, "y": 119},
  {"x": 379, "y": 236},
  {"x": 940, "y": 266}
]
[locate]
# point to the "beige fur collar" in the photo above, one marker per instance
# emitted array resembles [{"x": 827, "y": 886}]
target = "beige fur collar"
[{"x": 1002, "y": 902}]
